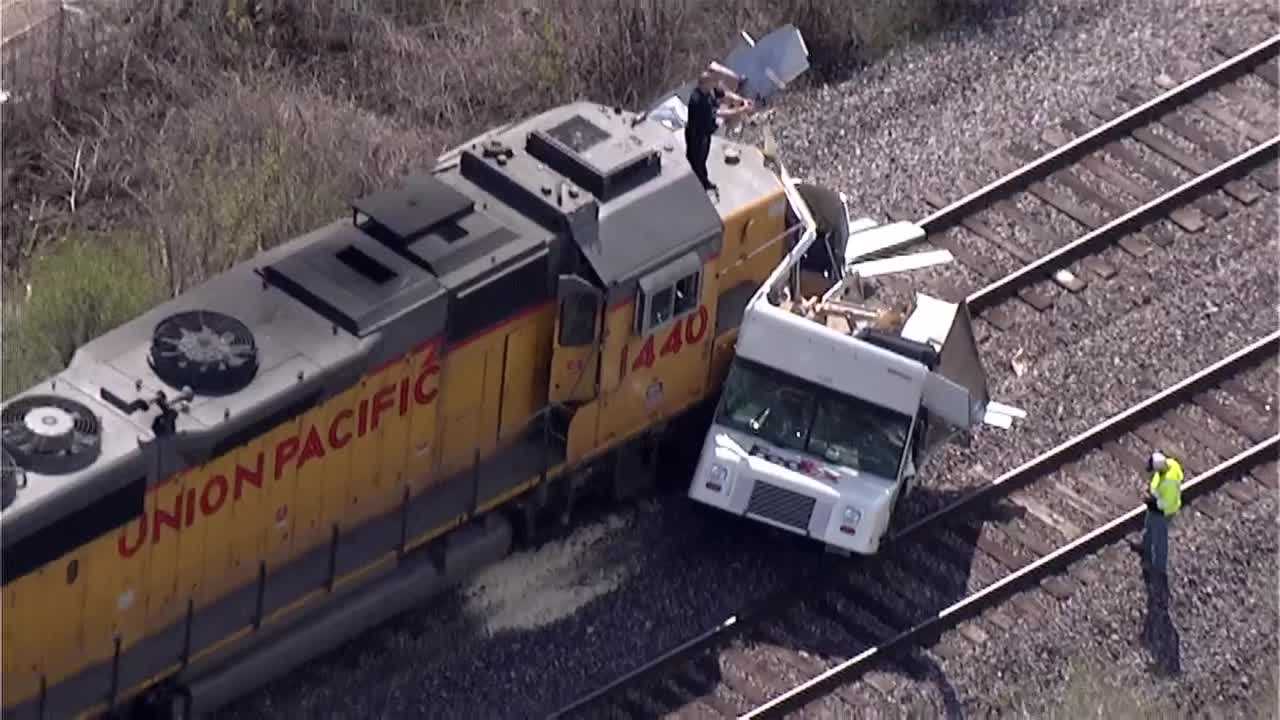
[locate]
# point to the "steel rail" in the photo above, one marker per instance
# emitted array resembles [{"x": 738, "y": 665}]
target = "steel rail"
[
  {"x": 672, "y": 654},
  {"x": 1067, "y": 154},
  {"x": 1000, "y": 589},
  {"x": 1008, "y": 285},
  {"x": 774, "y": 602},
  {"x": 1103, "y": 432},
  {"x": 1051, "y": 459}
]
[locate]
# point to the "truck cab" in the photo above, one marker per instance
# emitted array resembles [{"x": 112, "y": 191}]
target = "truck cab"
[{"x": 832, "y": 402}]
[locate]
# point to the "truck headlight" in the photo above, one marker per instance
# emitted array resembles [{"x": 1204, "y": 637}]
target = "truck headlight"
[
  {"x": 717, "y": 477},
  {"x": 849, "y": 520}
]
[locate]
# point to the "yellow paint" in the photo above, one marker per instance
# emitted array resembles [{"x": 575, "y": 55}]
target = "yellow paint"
[
  {"x": 461, "y": 405},
  {"x": 424, "y": 538},
  {"x": 217, "y": 646},
  {"x": 482, "y": 395},
  {"x": 355, "y": 576},
  {"x": 19, "y": 654},
  {"x": 486, "y": 440},
  {"x": 524, "y": 381},
  {"x": 364, "y": 487},
  {"x": 395, "y": 433},
  {"x": 162, "y": 575},
  {"x": 315, "y": 498},
  {"x": 423, "y": 452},
  {"x": 573, "y": 369},
  {"x": 250, "y": 461},
  {"x": 582, "y": 432},
  {"x": 507, "y": 496},
  {"x": 104, "y": 585},
  {"x": 191, "y": 541}
]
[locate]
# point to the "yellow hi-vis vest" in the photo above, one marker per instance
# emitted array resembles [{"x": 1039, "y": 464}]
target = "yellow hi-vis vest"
[{"x": 1166, "y": 487}]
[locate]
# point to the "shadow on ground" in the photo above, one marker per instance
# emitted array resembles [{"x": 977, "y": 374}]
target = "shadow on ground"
[{"x": 1159, "y": 634}]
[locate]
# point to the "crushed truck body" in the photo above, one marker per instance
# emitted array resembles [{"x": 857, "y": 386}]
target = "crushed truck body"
[{"x": 833, "y": 402}]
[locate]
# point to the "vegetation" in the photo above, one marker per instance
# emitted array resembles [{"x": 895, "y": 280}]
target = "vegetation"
[
  {"x": 1093, "y": 691},
  {"x": 181, "y": 136},
  {"x": 85, "y": 288}
]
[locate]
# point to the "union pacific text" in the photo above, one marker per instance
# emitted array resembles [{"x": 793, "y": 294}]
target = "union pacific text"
[{"x": 218, "y": 491}]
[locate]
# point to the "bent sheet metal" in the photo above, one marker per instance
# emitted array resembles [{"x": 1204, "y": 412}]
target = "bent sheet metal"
[{"x": 765, "y": 66}]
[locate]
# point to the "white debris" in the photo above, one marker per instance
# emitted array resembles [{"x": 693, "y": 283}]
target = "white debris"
[
  {"x": 996, "y": 419},
  {"x": 534, "y": 588},
  {"x": 1009, "y": 410},
  {"x": 1018, "y": 364},
  {"x": 902, "y": 263}
]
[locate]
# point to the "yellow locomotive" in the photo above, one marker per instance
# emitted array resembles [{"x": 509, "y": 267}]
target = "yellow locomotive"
[{"x": 253, "y": 472}]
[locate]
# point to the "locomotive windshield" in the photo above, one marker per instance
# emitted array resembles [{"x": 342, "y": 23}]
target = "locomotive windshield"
[{"x": 797, "y": 415}]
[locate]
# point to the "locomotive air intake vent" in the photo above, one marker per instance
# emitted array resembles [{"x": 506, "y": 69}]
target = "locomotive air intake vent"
[
  {"x": 50, "y": 435},
  {"x": 212, "y": 353},
  {"x": 11, "y": 477}
]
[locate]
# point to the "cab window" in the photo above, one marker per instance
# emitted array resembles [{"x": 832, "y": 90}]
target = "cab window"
[{"x": 668, "y": 294}]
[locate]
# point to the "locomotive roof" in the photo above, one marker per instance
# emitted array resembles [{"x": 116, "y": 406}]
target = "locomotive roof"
[
  {"x": 445, "y": 253},
  {"x": 618, "y": 182}
]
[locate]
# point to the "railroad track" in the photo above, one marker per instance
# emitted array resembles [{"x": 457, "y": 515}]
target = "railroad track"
[
  {"x": 1187, "y": 155},
  {"x": 1022, "y": 529},
  {"x": 1026, "y": 525}
]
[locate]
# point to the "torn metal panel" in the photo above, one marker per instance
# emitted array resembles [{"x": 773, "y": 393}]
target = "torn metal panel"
[
  {"x": 930, "y": 322},
  {"x": 948, "y": 401},
  {"x": 765, "y": 66},
  {"x": 869, "y": 242},
  {"x": 770, "y": 63},
  {"x": 1009, "y": 410},
  {"x": 997, "y": 419},
  {"x": 902, "y": 263}
]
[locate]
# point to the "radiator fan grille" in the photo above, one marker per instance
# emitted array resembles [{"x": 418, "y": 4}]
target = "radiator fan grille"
[
  {"x": 212, "y": 353},
  {"x": 50, "y": 434}
]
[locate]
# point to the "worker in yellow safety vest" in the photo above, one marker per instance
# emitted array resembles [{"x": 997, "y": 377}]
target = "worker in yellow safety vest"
[{"x": 1163, "y": 502}]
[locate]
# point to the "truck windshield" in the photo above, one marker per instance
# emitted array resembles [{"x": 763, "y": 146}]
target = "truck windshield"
[{"x": 797, "y": 415}]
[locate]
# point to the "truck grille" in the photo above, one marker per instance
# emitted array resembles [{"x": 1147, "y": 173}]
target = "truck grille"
[{"x": 780, "y": 505}]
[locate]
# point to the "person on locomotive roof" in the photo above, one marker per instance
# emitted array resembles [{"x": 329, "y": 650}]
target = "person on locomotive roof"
[{"x": 704, "y": 111}]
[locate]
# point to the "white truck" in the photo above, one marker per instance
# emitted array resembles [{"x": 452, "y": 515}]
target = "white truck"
[{"x": 831, "y": 403}]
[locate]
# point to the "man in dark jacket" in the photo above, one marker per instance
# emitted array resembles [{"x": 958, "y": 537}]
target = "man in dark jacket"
[{"x": 704, "y": 111}]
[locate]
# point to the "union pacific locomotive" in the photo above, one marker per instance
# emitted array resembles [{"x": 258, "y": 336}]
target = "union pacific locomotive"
[{"x": 255, "y": 471}]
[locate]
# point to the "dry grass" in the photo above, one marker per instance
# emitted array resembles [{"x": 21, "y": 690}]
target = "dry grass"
[
  {"x": 1093, "y": 692},
  {"x": 204, "y": 131}
]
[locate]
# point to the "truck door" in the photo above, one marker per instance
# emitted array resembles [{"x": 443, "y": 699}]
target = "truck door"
[
  {"x": 575, "y": 359},
  {"x": 950, "y": 408},
  {"x": 823, "y": 265}
]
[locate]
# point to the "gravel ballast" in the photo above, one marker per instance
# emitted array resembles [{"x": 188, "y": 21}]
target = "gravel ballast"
[
  {"x": 549, "y": 624},
  {"x": 1099, "y": 644}
]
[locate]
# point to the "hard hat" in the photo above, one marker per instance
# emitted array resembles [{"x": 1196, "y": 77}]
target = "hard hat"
[{"x": 1157, "y": 462}]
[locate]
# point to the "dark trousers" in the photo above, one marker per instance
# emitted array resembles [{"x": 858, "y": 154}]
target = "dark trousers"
[
  {"x": 698, "y": 149},
  {"x": 1155, "y": 542}
]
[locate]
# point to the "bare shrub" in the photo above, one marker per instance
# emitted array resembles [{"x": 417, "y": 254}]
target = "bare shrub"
[
  {"x": 252, "y": 166},
  {"x": 620, "y": 52},
  {"x": 194, "y": 133}
]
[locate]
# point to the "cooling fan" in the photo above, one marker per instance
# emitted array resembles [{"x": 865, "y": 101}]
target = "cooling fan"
[
  {"x": 209, "y": 352},
  {"x": 50, "y": 435}
]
